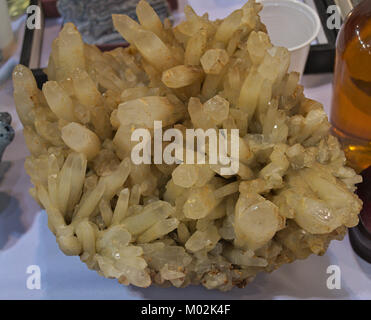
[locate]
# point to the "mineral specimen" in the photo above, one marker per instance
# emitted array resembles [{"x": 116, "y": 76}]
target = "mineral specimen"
[{"x": 185, "y": 223}]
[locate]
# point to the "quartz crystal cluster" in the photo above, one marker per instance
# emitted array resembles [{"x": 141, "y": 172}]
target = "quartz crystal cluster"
[{"x": 183, "y": 224}]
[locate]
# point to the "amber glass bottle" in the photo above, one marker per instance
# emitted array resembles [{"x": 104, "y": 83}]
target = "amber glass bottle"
[
  {"x": 351, "y": 107},
  {"x": 351, "y": 111}
]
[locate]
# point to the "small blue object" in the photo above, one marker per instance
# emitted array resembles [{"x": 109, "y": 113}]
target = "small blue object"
[{"x": 6, "y": 132}]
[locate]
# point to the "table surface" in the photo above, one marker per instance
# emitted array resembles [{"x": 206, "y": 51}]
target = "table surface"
[{"x": 25, "y": 240}]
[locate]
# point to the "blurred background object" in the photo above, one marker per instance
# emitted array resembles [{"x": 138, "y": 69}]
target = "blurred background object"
[
  {"x": 93, "y": 17},
  {"x": 7, "y": 43},
  {"x": 6, "y": 33},
  {"x": 50, "y": 8},
  {"x": 33, "y": 38},
  {"x": 360, "y": 236},
  {"x": 17, "y": 7},
  {"x": 346, "y": 6}
]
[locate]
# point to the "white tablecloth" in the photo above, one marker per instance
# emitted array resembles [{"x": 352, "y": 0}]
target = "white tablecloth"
[{"x": 25, "y": 240}]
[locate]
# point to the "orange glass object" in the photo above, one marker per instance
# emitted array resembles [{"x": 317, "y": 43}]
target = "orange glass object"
[{"x": 351, "y": 106}]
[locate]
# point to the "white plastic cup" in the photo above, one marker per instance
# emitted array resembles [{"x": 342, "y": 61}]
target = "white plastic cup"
[{"x": 293, "y": 25}]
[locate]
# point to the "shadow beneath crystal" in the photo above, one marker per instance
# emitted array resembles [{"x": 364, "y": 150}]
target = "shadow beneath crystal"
[
  {"x": 299, "y": 280},
  {"x": 11, "y": 226},
  {"x": 4, "y": 168},
  {"x": 67, "y": 277},
  {"x": 17, "y": 209}
]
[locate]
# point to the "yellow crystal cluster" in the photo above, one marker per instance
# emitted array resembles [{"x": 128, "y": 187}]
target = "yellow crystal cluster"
[{"x": 183, "y": 224}]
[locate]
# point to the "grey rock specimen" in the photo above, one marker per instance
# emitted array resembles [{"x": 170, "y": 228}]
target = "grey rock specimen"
[
  {"x": 93, "y": 18},
  {"x": 6, "y": 132}
]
